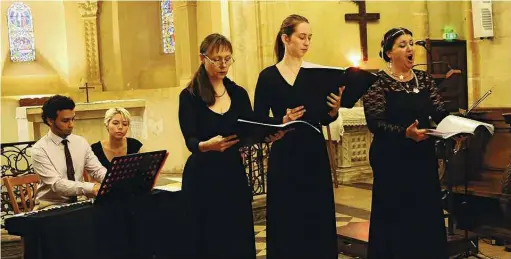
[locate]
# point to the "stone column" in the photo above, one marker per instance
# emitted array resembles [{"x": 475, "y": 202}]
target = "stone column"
[
  {"x": 246, "y": 39},
  {"x": 213, "y": 17},
  {"x": 187, "y": 46},
  {"x": 88, "y": 12}
]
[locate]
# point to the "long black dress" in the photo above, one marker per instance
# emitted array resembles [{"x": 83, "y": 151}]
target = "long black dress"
[
  {"x": 133, "y": 148},
  {"x": 300, "y": 201},
  {"x": 406, "y": 214},
  {"x": 215, "y": 184}
]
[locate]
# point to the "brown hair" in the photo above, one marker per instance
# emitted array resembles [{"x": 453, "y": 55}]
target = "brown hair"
[
  {"x": 389, "y": 39},
  {"x": 200, "y": 84},
  {"x": 53, "y": 105},
  {"x": 287, "y": 27}
]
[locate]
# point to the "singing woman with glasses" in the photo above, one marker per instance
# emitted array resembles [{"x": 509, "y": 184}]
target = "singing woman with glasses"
[{"x": 214, "y": 180}]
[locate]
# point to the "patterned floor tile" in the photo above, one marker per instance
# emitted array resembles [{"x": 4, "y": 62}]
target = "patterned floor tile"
[{"x": 260, "y": 233}]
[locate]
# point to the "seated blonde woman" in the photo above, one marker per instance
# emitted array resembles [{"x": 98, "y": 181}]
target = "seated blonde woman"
[{"x": 117, "y": 122}]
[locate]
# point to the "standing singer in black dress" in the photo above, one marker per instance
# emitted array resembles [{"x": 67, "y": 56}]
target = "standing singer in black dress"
[
  {"x": 214, "y": 180},
  {"x": 406, "y": 214},
  {"x": 300, "y": 200}
]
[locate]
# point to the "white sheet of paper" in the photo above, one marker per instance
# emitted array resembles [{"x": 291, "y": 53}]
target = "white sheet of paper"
[{"x": 453, "y": 125}]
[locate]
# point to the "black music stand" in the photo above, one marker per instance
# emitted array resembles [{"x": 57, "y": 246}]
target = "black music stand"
[
  {"x": 469, "y": 243},
  {"x": 131, "y": 175},
  {"x": 449, "y": 149},
  {"x": 447, "y": 153}
]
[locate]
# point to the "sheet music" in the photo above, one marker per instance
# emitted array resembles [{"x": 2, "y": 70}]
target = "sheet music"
[
  {"x": 453, "y": 125},
  {"x": 280, "y": 125}
]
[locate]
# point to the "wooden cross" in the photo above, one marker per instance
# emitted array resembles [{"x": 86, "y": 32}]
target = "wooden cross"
[
  {"x": 87, "y": 87},
  {"x": 362, "y": 18}
]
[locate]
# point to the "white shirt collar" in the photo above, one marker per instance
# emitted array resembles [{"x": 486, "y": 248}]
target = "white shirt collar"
[{"x": 55, "y": 138}]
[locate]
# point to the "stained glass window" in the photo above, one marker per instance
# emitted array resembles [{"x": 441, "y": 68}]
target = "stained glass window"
[
  {"x": 167, "y": 27},
  {"x": 21, "y": 33}
]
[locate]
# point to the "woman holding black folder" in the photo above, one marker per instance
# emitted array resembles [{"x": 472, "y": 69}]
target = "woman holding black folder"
[
  {"x": 208, "y": 111},
  {"x": 300, "y": 200},
  {"x": 406, "y": 191}
]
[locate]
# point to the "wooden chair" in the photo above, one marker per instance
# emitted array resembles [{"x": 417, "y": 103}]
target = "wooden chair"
[{"x": 26, "y": 184}]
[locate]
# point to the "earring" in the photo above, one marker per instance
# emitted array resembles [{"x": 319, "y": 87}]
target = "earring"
[{"x": 390, "y": 65}]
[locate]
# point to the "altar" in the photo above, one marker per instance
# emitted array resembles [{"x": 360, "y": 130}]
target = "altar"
[
  {"x": 88, "y": 121},
  {"x": 351, "y": 140}
]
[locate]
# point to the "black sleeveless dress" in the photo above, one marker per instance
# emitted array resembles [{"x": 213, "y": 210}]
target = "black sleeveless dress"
[{"x": 133, "y": 148}]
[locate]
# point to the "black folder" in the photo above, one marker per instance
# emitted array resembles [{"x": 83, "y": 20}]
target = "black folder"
[
  {"x": 320, "y": 82},
  {"x": 251, "y": 132}
]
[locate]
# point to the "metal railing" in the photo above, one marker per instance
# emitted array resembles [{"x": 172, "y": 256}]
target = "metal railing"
[
  {"x": 255, "y": 160},
  {"x": 15, "y": 161}
]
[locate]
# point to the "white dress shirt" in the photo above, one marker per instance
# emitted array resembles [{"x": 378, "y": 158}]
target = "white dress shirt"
[{"x": 49, "y": 163}]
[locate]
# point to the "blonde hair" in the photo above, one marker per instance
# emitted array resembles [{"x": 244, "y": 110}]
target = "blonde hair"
[{"x": 110, "y": 113}]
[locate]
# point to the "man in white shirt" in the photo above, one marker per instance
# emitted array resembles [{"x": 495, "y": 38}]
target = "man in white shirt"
[{"x": 59, "y": 158}]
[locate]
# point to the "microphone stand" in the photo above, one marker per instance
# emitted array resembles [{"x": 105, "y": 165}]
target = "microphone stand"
[
  {"x": 430, "y": 63},
  {"x": 450, "y": 152},
  {"x": 433, "y": 63},
  {"x": 423, "y": 44}
]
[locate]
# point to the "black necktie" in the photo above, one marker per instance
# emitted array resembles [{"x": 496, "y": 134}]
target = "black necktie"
[{"x": 69, "y": 165}]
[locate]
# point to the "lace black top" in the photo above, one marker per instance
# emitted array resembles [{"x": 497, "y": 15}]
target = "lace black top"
[
  {"x": 391, "y": 106},
  {"x": 406, "y": 189}
]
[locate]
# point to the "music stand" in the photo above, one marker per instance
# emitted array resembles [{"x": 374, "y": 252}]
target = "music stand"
[
  {"x": 448, "y": 151},
  {"x": 469, "y": 243},
  {"x": 131, "y": 175},
  {"x": 450, "y": 147}
]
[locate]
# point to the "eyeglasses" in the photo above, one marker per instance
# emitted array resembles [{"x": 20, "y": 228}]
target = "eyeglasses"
[{"x": 218, "y": 62}]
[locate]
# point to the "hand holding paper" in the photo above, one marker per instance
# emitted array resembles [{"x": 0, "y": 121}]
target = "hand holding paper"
[
  {"x": 416, "y": 134},
  {"x": 293, "y": 114},
  {"x": 334, "y": 101},
  {"x": 218, "y": 143},
  {"x": 274, "y": 137}
]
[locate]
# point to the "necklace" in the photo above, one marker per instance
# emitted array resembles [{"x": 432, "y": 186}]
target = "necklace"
[
  {"x": 218, "y": 96},
  {"x": 401, "y": 77},
  {"x": 415, "y": 89}
]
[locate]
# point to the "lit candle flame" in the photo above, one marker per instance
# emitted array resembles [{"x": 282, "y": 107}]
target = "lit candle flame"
[{"x": 355, "y": 59}]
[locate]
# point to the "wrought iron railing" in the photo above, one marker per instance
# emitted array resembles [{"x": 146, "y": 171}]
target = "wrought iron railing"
[
  {"x": 255, "y": 160},
  {"x": 15, "y": 161}
]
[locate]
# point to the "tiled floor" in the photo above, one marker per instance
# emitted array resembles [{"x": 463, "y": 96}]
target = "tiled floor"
[
  {"x": 355, "y": 200},
  {"x": 260, "y": 231},
  {"x": 353, "y": 204}
]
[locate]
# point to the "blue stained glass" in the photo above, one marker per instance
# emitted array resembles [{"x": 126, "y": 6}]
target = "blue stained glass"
[
  {"x": 21, "y": 33},
  {"x": 167, "y": 26}
]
